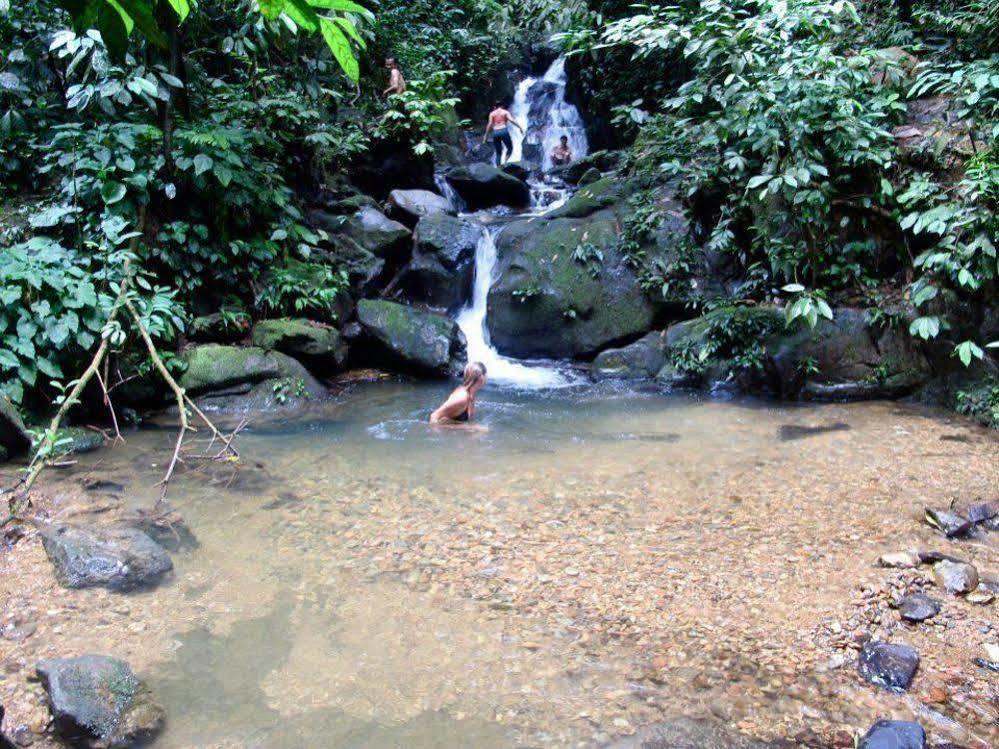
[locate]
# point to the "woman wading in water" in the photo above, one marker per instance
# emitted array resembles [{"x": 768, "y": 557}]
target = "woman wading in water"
[{"x": 459, "y": 408}]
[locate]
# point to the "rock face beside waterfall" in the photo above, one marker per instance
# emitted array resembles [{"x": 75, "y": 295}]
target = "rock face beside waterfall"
[
  {"x": 414, "y": 340},
  {"x": 443, "y": 265},
  {"x": 555, "y": 296},
  {"x": 484, "y": 186}
]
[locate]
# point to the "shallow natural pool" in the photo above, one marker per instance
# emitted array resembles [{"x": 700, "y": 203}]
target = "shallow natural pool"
[{"x": 599, "y": 559}]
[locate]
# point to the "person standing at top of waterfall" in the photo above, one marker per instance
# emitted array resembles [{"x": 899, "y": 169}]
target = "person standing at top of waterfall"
[
  {"x": 397, "y": 84},
  {"x": 561, "y": 153},
  {"x": 460, "y": 405},
  {"x": 500, "y": 121}
]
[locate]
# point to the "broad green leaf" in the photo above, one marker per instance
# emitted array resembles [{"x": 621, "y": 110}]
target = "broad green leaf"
[
  {"x": 340, "y": 47},
  {"x": 202, "y": 163},
  {"x": 182, "y": 8},
  {"x": 112, "y": 192}
]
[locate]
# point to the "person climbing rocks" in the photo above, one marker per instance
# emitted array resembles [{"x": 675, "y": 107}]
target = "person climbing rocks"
[
  {"x": 459, "y": 408},
  {"x": 561, "y": 153},
  {"x": 397, "y": 83},
  {"x": 500, "y": 121}
]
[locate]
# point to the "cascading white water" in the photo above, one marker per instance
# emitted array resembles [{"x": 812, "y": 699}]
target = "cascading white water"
[
  {"x": 472, "y": 321},
  {"x": 553, "y": 116},
  {"x": 449, "y": 193}
]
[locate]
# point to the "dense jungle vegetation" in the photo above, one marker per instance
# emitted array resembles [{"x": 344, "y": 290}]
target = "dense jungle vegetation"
[{"x": 176, "y": 146}]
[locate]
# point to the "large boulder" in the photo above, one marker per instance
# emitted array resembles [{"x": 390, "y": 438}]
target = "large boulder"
[
  {"x": 602, "y": 161},
  {"x": 319, "y": 345},
  {"x": 118, "y": 558},
  {"x": 370, "y": 229},
  {"x": 365, "y": 270},
  {"x": 752, "y": 349},
  {"x": 640, "y": 360},
  {"x": 484, "y": 186},
  {"x": 230, "y": 378},
  {"x": 412, "y": 339},
  {"x": 14, "y": 437},
  {"x": 97, "y": 701},
  {"x": 443, "y": 265},
  {"x": 564, "y": 290},
  {"x": 409, "y": 206},
  {"x": 592, "y": 198}
]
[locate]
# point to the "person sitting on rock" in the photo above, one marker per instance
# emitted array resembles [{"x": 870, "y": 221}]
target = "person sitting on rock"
[
  {"x": 460, "y": 405},
  {"x": 397, "y": 84},
  {"x": 561, "y": 153},
  {"x": 499, "y": 124}
]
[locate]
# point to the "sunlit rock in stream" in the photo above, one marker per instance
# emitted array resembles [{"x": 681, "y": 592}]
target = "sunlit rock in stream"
[
  {"x": 96, "y": 701},
  {"x": 918, "y": 607},
  {"x": 894, "y": 734},
  {"x": 409, "y": 206},
  {"x": 113, "y": 557},
  {"x": 956, "y": 577}
]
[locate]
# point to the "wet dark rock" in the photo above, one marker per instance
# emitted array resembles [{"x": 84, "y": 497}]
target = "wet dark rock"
[
  {"x": 114, "y": 557},
  {"x": 687, "y": 733},
  {"x": 949, "y": 523},
  {"x": 97, "y": 701},
  {"x": 790, "y": 432},
  {"x": 933, "y": 556},
  {"x": 956, "y": 577},
  {"x": 14, "y": 437},
  {"x": 483, "y": 186},
  {"x": 103, "y": 485},
  {"x": 412, "y": 339},
  {"x": 168, "y": 529},
  {"x": 443, "y": 265},
  {"x": 547, "y": 303},
  {"x": 982, "y": 512},
  {"x": 319, "y": 345},
  {"x": 77, "y": 440},
  {"x": 370, "y": 229},
  {"x": 522, "y": 170},
  {"x": 602, "y": 161},
  {"x": 918, "y": 607},
  {"x": 888, "y": 665},
  {"x": 5, "y": 743},
  {"x": 409, "y": 206},
  {"x": 894, "y": 734},
  {"x": 639, "y": 360}
]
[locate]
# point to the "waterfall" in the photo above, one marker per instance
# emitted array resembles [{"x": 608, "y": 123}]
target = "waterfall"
[
  {"x": 453, "y": 198},
  {"x": 540, "y": 106},
  {"x": 472, "y": 321}
]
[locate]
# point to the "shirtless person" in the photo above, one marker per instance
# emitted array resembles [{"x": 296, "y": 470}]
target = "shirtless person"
[
  {"x": 562, "y": 154},
  {"x": 499, "y": 121},
  {"x": 397, "y": 84},
  {"x": 460, "y": 405}
]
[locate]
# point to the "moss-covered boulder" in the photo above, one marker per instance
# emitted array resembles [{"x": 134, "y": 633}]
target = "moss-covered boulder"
[
  {"x": 602, "y": 161},
  {"x": 443, "y": 265},
  {"x": 14, "y": 437},
  {"x": 752, "y": 350},
  {"x": 640, "y": 360},
  {"x": 564, "y": 290},
  {"x": 592, "y": 198},
  {"x": 231, "y": 378},
  {"x": 321, "y": 346},
  {"x": 411, "y": 339},
  {"x": 484, "y": 186},
  {"x": 97, "y": 701}
]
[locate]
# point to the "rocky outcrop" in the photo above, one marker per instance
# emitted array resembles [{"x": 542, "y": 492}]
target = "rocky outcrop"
[
  {"x": 97, "y": 701},
  {"x": 592, "y": 198},
  {"x": 641, "y": 360},
  {"x": 234, "y": 378},
  {"x": 14, "y": 437},
  {"x": 409, "y": 206},
  {"x": 563, "y": 290},
  {"x": 443, "y": 265},
  {"x": 602, "y": 161},
  {"x": 319, "y": 345},
  {"x": 117, "y": 558},
  {"x": 522, "y": 170},
  {"x": 370, "y": 229},
  {"x": 484, "y": 186},
  {"x": 411, "y": 339},
  {"x": 752, "y": 350}
]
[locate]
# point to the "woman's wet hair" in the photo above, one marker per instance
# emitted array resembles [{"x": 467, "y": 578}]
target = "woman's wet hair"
[
  {"x": 564, "y": 139},
  {"x": 474, "y": 371}
]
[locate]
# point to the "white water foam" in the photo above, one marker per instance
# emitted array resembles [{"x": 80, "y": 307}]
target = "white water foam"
[{"x": 472, "y": 321}]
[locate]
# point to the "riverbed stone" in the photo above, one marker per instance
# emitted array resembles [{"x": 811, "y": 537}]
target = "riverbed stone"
[
  {"x": 409, "y": 206},
  {"x": 118, "y": 558},
  {"x": 97, "y": 701},
  {"x": 949, "y": 523},
  {"x": 902, "y": 560},
  {"x": 888, "y": 665},
  {"x": 982, "y": 512},
  {"x": 642, "y": 359},
  {"x": 412, "y": 339},
  {"x": 232, "y": 370},
  {"x": 484, "y": 186},
  {"x": 547, "y": 303},
  {"x": 320, "y": 345},
  {"x": 918, "y": 607},
  {"x": 894, "y": 734},
  {"x": 956, "y": 577},
  {"x": 14, "y": 437},
  {"x": 443, "y": 265}
]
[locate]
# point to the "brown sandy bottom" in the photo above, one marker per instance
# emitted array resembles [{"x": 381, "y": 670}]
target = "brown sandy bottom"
[{"x": 587, "y": 567}]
